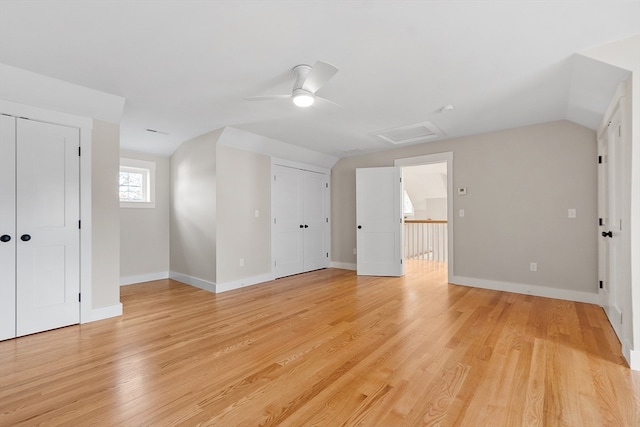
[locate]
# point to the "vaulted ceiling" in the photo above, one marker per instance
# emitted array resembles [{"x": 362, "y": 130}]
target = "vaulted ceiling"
[{"x": 184, "y": 67}]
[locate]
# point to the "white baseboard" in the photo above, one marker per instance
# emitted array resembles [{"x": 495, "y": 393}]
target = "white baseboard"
[
  {"x": 193, "y": 281},
  {"x": 632, "y": 356},
  {"x": 519, "y": 288},
  {"x": 344, "y": 265},
  {"x": 106, "y": 312},
  {"x": 243, "y": 283},
  {"x": 139, "y": 278}
]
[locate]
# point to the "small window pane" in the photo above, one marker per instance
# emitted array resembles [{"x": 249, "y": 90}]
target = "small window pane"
[{"x": 131, "y": 186}]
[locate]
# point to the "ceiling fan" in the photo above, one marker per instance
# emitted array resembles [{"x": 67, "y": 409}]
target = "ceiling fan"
[{"x": 308, "y": 81}]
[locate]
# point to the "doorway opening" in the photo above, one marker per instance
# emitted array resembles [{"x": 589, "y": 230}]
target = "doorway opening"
[{"x": 427, "y": 212}]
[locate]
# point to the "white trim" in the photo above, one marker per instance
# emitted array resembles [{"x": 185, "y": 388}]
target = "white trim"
[
  {"x": 297, "y": 165},
  {"x": 106, "y": 312},
  {"x": 611, "y": 109},
  {"x": 444, "y": 157},
  {"x": 344, "y": 265},
  {"x": 85, "y": 125},
  {"x": 140, "y": 278},
  {"x": 243, "y": 283},
  {"x": 193, "y": 281},
  {"x": 632, "y": 356},
  {"x": 520, "y": 288},
  {"x": 148, "y": 169}
]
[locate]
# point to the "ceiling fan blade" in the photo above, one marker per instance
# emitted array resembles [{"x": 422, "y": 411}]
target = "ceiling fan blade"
[
  {"x": 326, "y": 101},
  {"x": 266, "y": 97},
  {"x": 320, "y": 73}
]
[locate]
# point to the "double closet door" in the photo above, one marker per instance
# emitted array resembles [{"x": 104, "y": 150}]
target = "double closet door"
[
  {"x": 39, "y": 226},
  {"x": 300, "y": 220}
]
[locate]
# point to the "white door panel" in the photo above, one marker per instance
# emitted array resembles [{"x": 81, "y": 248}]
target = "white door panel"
[
  {"x": 287, "y": 205},
  {"x": 7, "y": 228},
  {"x": 47, "y": 207},
  {"x": 315, "y": 220},
  {"x": 379, "y": 221},
  {"x": 300, "y": 221},
  {"x": 610, "y": 183}
]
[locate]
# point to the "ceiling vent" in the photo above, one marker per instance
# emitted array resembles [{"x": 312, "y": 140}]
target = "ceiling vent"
[
  {"x": 157, "y": 131},
  {"x": 418, "y": 132}
]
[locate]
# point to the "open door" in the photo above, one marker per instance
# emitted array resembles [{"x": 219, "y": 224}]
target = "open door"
[
  {"x": 379, "y": 221},
  {"x": 609, "y": 212}
]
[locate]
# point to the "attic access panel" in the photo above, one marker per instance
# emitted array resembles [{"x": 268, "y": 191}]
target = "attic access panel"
[{"x": 417, "y": 132}]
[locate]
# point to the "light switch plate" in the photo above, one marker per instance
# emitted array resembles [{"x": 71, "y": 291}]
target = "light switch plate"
[
  {"x": 571, "y": 213},
  {"x": 462, "y": 191}
]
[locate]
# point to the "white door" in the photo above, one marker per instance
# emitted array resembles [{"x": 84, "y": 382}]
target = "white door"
[
  {"x": 379, "y": 221},
  {"x": 7, "y": 228},
  {"x": 315, "y": 218},
  {"x": 609, "y": 251},
  {"x": 288, "y": 222},
  {"x": 47, "y": 228}
]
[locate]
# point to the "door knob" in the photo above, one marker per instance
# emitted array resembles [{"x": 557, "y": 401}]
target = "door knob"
[
  {"x": 306, "y": 226},
  {"x": 359, "y": 227},
  {"x": 607, "y": 234},
  {"x": 301, "y": 226},
  {"x": 5, "y": 238},
  {"x": 25, "y": 237}
]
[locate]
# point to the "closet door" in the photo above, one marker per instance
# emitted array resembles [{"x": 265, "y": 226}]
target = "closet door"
[
  {"x": 289, "y": 224},
  {"x": 300, "y": 215},
  {"x": 47, "y": 226},
  {"x": 7, "y": 228},
  {"x": 314, "y": 211}
]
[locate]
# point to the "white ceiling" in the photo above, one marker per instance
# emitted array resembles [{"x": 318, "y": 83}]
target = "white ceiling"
[{"x": 184, "y": 67}]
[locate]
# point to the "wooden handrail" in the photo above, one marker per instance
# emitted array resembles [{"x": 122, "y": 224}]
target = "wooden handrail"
[{"x": 425, "y": 221}]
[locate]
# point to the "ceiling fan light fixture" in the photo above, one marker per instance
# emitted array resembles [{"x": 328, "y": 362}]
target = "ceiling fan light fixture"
[{"x": 303, "y": 98}]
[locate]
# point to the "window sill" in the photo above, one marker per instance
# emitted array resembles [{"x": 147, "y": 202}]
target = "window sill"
[{"x": 148, "y": 205}]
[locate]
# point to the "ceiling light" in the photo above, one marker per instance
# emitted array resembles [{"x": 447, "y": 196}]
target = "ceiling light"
[{"x": 303, "y": 98}]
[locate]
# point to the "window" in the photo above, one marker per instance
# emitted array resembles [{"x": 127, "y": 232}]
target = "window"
[{"x": 137, "y": 184}]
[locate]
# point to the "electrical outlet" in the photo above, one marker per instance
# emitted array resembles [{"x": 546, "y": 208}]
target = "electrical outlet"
[
  {"x": 533, "y": 266},
  {"x": 571, "y": 213}
]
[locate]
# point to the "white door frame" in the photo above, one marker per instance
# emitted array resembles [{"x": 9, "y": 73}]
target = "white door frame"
[
  {"x": 85, "y": 125},
  {"x": 444, "y": 157}
]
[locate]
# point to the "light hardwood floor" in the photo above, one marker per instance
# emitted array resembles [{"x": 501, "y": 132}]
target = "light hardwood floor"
[{"x": 325, "y": 348}]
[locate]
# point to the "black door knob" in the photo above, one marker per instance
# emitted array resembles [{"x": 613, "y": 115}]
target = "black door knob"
[
  {"x": 359, "y": 227},
  {"x": 5, "y": 238},
  {"x": 25, "y": 237},
  {"x": 607, "y": 234},
  {"x": 301, "y": 226},
  {"x": 306, "y": 226}
]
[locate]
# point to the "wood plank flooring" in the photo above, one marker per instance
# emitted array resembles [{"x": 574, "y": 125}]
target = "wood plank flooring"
[{"x": 325, "y": 348}]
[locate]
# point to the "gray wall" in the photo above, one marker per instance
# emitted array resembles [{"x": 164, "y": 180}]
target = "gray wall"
[
  {"x": 193, "y": 208},
  {"x": 520, "y": 183},
  {"x": 243, "y": 186},
  {"x": 105, "y": 205},
  {"x": 144, "y": 236}
]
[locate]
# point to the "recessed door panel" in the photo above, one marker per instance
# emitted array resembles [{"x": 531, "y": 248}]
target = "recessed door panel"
[
  {"x": 288, "y": 233},
  {"x": 48, "y": 237},
  {"x": 315, "y": 220},
  {"x": 379, "y": 221},
  {"x": 7, "y": 228}
]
